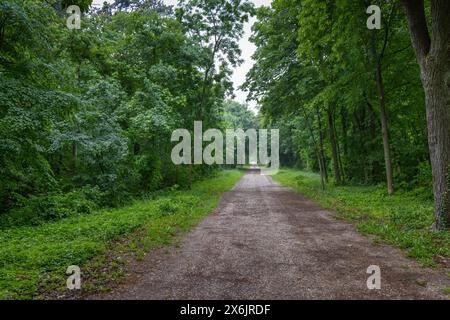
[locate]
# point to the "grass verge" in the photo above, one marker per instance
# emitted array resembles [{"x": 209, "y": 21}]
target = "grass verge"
[
  {"x": 402, "y": 219},
  {"x": 33, "y": 260}
]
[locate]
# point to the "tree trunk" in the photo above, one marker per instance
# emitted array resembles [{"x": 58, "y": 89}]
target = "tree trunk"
[
  {"x": 384, "y": 129},
  {"x": 341, "y": 165},
  {"x": 74, "y": 156},
  {"x": 378, "y": 58},
  {"x": 344, "y": 131},
  {"x": 334, "y": 153},
  {"x": 316, "y": 149},
  {"x": 433, "y": 56},
  {"x": 322, "y": 175},
  {"x": 322, "y": 162}
]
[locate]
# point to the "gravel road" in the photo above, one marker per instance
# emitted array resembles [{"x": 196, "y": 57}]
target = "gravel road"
[{"x": 264, "y": 241}]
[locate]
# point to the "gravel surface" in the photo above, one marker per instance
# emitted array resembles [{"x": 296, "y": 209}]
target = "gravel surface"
[{"x": 264, "y": 241}]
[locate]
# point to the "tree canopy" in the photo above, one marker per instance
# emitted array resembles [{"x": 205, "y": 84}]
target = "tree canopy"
[{"x": 91, "y": 110}]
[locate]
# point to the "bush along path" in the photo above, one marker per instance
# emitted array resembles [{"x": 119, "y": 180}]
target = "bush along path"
[
  {"x": 264, "y": 241},
  {"x": 34, "y": 259}
]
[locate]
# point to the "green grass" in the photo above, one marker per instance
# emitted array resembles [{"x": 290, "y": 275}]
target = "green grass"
[
  {"x": 402, "y": 219},
  {"x": 33, "y": 260}
]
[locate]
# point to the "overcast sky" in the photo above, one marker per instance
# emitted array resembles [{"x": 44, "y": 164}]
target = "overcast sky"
[{"x": 247, "y": 51}]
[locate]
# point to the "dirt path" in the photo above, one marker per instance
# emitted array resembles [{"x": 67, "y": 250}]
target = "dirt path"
[{"x": 266, "y": 242}]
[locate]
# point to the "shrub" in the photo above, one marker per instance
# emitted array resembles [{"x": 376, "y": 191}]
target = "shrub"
[
  {"x": 40, "y": 208},
  {"x": 423, "y": 181},
  {"x": 167, "y": 206},
  {"x": 180, "y": 204}
]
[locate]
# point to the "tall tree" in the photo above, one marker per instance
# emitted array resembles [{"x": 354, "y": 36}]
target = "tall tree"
[
  {"x": 378, "y": 57},
  {"x": 218, "y": 26},
  {"x": 433, "y": 55}
]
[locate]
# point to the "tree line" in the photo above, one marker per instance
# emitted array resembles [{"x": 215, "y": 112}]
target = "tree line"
[
  {"x": 360, "y": 106},
  {"x": 86, "y": 114}
]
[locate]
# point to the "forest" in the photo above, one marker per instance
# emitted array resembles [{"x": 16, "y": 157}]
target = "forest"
[
  {"x": 360, "y": 106},
  {"x": 86, "y": 116}
]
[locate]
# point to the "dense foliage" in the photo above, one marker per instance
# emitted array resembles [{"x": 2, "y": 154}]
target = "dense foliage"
[
  {"x": 86, "y": 117},
  {"x": 86, "y": 114},
  {"x": 348, "y": 100},
  {"x": 34, "y": 259}
]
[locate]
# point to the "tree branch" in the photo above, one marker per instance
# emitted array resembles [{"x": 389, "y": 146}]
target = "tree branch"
[
  {"x": 417, "y": 22},
  {"x": 386, "y": 33}
]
